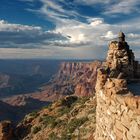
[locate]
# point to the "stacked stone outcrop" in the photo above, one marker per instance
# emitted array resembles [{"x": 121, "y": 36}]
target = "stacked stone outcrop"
[
  {"x": 121, "y": 59},
  {"x": 118, "y": 110}
]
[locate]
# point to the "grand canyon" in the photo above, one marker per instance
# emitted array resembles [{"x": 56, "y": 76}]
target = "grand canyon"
[
  {"x": 81, "y": 100},
  {"x": 69, "y": 69},
  {"x": 59, "y": 79}
]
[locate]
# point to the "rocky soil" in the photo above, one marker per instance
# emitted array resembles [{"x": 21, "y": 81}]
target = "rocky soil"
[{"x": 68, "y": 118}]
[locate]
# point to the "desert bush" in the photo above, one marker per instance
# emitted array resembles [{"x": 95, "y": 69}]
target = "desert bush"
[
  {"x": 34, "y": 114},
  {"x": 68, "y": 101},
  {"x": 58, "y": 123},
  {"x": 67, "y": 104},
  {"x": 48, "y": 106},
  {"x": 75, "y": 123},
  {"x": 53, "y": 136},
  {"x": 66, "y": 136},
  {"x": 36, "y": 129},
  {"x": 82, "y": 100},
  {"x": 64, "y": 110},
  {"x": 93, "y": 110},
  {"x": 48, "y": 120}
]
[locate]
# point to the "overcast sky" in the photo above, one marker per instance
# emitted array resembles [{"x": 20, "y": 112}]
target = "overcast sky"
[{"x": 66, "y": 29}]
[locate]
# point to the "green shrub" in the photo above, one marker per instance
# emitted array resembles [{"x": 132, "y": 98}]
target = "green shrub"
[
  {"x": 75, "y": 123},
  {"x": 36, "y": 129},
  {"x": 58, "y": 123},
  {"x": 53, "y": 136},
  {"x": 55, "y": 123},
  {"x": 48, "y": 106},
  {"x": 64, "y": 110},
  {"x": 68, "y": 101},
  {"x": 66, "y": 136},
  {"x": 34, "y": 114},
  {"x": 48, "y": 120},
  {"x": 82, "y": 100},
  {"x": 92, "y": 111}
]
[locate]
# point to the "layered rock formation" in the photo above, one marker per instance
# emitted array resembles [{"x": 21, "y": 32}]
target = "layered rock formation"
[
  {"x": 118, "y": 109},
  {"x": 82, "y": 76},
  {"x": 77, "y": 78}
]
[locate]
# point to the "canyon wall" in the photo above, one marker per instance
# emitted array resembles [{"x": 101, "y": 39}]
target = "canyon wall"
[
  {"x": 77, "y": 78},
  {"x": 83, "y": 76},
  {"x": 118, "y": 108}
]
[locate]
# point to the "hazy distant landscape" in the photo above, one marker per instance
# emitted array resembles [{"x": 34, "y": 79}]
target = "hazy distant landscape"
[{"x": 25, "y": 76}]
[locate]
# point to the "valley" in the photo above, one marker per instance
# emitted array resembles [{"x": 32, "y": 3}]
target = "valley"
[{"x": 65, "y": 78}]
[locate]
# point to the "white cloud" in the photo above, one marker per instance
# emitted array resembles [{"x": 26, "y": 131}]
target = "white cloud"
[
  {"x": 97, "y": 33},
  {"x": 111, "y": 7},
  {"x": 5, "y": 26},
  {"x": 123, "y": 7},
  {"x": 87, "y": 40},
  {"x": 84, "y": 32},
  {"x": 80, "y": 33},
  {"x": 27, "y": 0},
  {"x": 96, "y": 21},
  {"x": 109, "y": 35},
  {"x": 90, "y": 2},
  {"x": 133, "y": 36},
  {"x": 72, "y": 38},
  {"x": 24, "y": 36},
  {"x": 55, "y": 12}
]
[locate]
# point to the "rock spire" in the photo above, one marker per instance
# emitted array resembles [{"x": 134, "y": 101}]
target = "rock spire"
[{"x": 121, "y": 60}]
